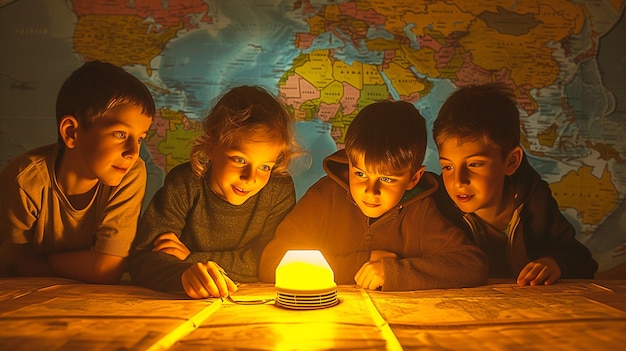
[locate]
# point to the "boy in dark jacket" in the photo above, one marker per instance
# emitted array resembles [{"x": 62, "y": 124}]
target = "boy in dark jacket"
[
  {"x": 373, "y": 217},
  {"x": 493, "y": 193}
]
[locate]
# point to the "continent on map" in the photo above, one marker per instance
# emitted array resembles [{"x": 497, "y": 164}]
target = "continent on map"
[
  {"x": 132, "y": 32},
  {"x": 592, "y": 197},
  {"x": 120, "y": 40},
  {"x": 319, "y": 86},
  {"x": 464, "y": 50},
  {"x": 160, "y": 14},
  {"x": 170, "y": 137}
]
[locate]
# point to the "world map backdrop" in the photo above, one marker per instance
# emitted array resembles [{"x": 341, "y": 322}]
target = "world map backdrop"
[{"x": 327, "y": 59}]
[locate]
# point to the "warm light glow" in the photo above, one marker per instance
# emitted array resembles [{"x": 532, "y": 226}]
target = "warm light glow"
[
  {"x": 304, "y": 280},
  {"x": 304, "y": 270}
]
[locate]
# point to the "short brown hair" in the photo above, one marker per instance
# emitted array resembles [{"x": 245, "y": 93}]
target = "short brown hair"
[
  {"x": 474, "y": 112},
  {"x": 390, "y": 135},
  {"x": 97, "y": 87}
]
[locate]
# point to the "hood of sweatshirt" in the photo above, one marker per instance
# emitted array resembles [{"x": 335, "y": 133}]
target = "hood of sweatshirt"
[{"x": 524, "y": 181}]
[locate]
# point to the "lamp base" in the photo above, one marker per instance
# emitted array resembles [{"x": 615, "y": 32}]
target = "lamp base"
[{"x": 306, "y": 300}]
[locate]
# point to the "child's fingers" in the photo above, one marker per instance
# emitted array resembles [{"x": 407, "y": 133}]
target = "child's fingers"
[
  {"x": 192, "y": 285},
  {"x": 165, "y": 237},
  {"x": 529, "y": 273},
  {"x": 368, "y": 278},
  {"x": 552, "y": 272},
  {"x": 207, "y": 282},
  {"x": 163, "y": 245},
  {"x": 554, "y": 276},
  {"x": 173, "y": 249},
  {"x": 363, "y": 280},
  {"x": 195, "y": 290},
  {"x": 371, "y": 281},
  {"x": 358, "y": 277},
  {"x": 542, "y": 271},
  {"x": 232, "y": 286},
  {"x": 217, "y": 274},
  {"x": 543, "y": 274},
  {"x": 170, "y": 244},
  {"x": 547, "y": 276}
]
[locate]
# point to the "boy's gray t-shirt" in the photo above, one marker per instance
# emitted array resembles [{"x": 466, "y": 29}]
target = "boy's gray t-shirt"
[{"x": 33, "y": 209}]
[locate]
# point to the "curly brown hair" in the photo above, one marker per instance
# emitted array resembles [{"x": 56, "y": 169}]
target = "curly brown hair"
[{"x": 246, "y": 113}]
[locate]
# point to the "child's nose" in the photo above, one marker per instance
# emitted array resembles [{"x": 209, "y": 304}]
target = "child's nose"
[
  {"x": 247, "y": 174},
  {"x": 461, "y": 176},
  {"x": 373, "y": 188},
  {"x": 132, "y": 148}
]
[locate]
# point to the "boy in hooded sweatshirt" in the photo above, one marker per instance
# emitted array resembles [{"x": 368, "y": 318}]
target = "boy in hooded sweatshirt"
[{"x": 373, "y": 217}]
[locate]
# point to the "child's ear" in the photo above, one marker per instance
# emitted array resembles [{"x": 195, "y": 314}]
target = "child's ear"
[
  {"x": 416, "y": 178},
  {"x": 513, "y": 160},
  {"x": 67, "y": 128}
]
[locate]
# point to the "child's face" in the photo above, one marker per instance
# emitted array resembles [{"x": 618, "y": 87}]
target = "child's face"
[
  {"x": 376, "y": 193},
  {"x": 242, "y": 169},
  {"x": 110, "y": 147},
  {"x": 473, "y": 174}
]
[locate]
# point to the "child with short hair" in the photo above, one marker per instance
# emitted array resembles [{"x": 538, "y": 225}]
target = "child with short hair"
[
  {"x": 206, "y": 227},
  {"x": 373, "y": 217},
  {"x": 493, "y": 193},
  {"x": 70, "y": 209}
]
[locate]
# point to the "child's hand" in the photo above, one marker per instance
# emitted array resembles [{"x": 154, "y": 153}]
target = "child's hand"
[
  {"x": 542, "y": 271},
  {"x": 376, "y": 255},
  {"x": 371, "y": 276},
  {"x": 204, "y": 280},
  {"x": 170, "y": 244}
]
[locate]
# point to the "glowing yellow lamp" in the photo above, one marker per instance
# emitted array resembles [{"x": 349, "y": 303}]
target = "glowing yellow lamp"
[{"x": 304, "y": 280}]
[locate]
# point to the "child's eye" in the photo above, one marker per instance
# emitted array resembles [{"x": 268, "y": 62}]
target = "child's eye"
[
  {"x": 446, "y": 168},
  {"x": 239, "y": 160},
  {"x": 360, "y": 174},
  {"x": 475, "y": 164},
  {"x": 119, "y": 135},
  {"x": 386, "y": 180},
  {"x": 265, "y": 168}
]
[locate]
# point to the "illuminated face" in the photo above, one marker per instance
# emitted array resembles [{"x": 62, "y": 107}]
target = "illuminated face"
[
  {"x": 110, "y": 146},
  {"x": 376, "y": 193},
  {"x": 242, "y": 169},
  {"x": 473, "y": 174}
]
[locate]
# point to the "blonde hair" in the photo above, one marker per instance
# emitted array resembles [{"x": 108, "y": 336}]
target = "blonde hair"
[{"x": 246, "y": 113}]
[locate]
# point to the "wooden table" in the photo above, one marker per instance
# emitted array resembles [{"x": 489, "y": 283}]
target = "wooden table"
[{"x": 59, "y": 314}]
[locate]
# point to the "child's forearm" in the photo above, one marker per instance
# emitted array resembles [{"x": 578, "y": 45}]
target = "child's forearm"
[
  {"x": 87, "y": 265},
  {"x": 29, "y": 264},
  {"x": 34, "y": 267}
]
